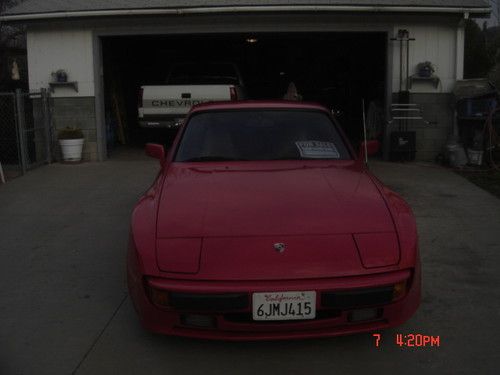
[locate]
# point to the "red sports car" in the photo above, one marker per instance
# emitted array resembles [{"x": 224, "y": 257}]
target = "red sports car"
[{"x": 264, "y": 224}]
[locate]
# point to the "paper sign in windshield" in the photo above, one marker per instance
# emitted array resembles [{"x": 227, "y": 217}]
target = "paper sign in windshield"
[{"x": 317, "y": 150}]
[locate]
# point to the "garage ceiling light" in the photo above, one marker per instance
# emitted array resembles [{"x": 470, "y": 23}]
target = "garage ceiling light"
[{"x": 252, "y": 40}]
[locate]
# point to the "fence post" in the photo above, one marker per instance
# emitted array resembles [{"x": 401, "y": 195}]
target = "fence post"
[
  {"x": 46, "y": 124},
  {"x": 20, "y": 129}
]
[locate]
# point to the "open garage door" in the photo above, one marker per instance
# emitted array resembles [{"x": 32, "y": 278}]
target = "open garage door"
[{"x": 336, "y": 69}]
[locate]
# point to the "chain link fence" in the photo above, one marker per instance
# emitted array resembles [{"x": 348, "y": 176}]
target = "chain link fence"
[{"x": 26, "y": 136}]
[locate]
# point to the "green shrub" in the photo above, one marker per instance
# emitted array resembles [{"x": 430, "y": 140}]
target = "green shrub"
[{"x": 70, "y": 133}]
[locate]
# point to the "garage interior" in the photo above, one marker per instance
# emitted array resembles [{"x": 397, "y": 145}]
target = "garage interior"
[{"x": 336, "y": 69}]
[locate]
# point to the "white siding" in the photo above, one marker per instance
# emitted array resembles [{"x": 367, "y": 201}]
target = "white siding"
[
  {"x": 49, "y": 51},
  {"x": 437, "y": 44},
  {"x": 72, "y": 50}
]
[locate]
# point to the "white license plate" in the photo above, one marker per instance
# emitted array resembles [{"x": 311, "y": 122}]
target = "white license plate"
[{"x": 284, "y": 305}]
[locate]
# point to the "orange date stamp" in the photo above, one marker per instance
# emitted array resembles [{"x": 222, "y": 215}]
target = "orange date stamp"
[{"x": 410, "y": 340}]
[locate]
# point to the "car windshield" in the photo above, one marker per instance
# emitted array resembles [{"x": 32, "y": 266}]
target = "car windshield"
[
  {"x": 261, "y": 135},
  {"x": 203, "y": 74}
]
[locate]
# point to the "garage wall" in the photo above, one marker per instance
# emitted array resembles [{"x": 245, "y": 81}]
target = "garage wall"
[
  {"x": 71, "y": 47},
  {"x": 71, "y": 50},
  {"x": 437, "y": 44},
  {"x": 443, "y": 46}
]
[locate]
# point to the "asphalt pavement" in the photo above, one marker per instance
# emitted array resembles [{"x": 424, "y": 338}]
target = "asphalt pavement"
[{"x": 64, "y": 307}]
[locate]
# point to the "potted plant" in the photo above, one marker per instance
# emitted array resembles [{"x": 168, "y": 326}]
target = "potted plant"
[
  {"x": 71, "y": 141},
  {"x": 425, "y": 69}
]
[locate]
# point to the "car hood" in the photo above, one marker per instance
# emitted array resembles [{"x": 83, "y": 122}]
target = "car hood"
[{"x": 278, "y": 199}]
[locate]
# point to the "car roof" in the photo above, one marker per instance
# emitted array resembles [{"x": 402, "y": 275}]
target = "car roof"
[{"x": 257, "y": 104}]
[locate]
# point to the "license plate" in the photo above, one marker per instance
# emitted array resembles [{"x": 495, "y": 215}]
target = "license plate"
[{"x": 284, "y": 305}]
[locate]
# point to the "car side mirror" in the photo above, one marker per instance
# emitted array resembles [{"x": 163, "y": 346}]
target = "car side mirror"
[
  {"x": 368, "y": 148},
  {"x": 156, "y": 151}
]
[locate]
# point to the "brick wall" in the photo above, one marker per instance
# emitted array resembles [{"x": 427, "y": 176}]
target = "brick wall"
[
  {"x": 78, "y": 112},
  {"x": 431, "y": 138}
]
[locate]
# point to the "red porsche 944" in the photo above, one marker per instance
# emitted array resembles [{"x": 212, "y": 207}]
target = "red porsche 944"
[{"x": 264, "y": 224}]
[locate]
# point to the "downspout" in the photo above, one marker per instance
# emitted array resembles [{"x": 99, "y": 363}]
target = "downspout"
[{"x": 459, "y": 67}]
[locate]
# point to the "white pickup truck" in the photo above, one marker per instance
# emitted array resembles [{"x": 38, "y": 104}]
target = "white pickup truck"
[{"x": 188, "y": 84}]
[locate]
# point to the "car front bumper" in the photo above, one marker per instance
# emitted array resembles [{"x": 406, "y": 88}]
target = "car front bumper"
[{"x": 238, "y": 325}]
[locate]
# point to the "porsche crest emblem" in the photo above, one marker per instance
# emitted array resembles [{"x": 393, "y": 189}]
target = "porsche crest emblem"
[{"x": 279, "y": 247}]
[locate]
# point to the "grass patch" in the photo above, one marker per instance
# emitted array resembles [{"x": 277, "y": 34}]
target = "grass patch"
[{"x": 488, "y": 180}]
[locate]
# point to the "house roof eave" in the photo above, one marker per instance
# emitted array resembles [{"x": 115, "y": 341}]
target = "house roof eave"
[{"x": 467, "y": 11}]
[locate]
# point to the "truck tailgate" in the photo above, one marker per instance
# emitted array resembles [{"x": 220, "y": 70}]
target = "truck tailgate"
[{"x": 177, "y": 100}]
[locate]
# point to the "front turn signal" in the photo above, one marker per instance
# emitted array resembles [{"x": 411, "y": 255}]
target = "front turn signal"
[
  {"x": 159, "y": 297},
  {"x": 399, "y": 290}
]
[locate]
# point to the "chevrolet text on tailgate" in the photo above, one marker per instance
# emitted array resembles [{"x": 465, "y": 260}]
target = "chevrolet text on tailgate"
[{"x": 187, "y": 84}]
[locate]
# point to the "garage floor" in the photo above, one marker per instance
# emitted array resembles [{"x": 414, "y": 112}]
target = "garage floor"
[{"x": 64, "y": 307}]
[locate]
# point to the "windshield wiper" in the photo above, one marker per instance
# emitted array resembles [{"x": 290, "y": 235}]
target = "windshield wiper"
[{"x": 212, "y": 158}]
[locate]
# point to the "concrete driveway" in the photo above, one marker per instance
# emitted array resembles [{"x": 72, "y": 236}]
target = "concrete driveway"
[{"x": 64, "y": 307}]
